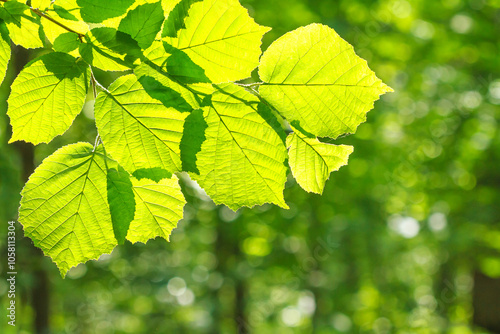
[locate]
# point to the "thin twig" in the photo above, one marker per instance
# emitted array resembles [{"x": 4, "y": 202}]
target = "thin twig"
[{"x": 42, "y": 14}]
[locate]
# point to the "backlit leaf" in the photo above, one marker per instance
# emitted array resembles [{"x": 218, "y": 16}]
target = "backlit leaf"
[
  {"x": 220, "y": 37},
  {"x": 143, "y": 23},
  {"x": 312, "y": 161},
  {"x": 40, "y": 4},
  {"x": 120, "y": 198},
  {"x": 65, "y": 12},
  {"x": 23, "y": 25},
  {"x": 159, "y": 206},
  {"x": 64, "y": 208},
  {"x": 177, "y": 11},
  {"x": 152, "y": 73},
  {"x": 4, "y": 50},
  {"x": 137, "y": 130},
  {"x": 242, "y": 160},
  {"x": 314, "y": 78},
  {"x": 46, "y": 97},
  {"x": 104, "y": 49}
]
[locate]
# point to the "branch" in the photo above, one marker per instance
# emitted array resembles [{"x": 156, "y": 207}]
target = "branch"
[{"x": 42, "y": 14}]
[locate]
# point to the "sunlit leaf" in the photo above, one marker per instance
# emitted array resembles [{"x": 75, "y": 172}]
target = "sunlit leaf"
[
  {"x": 5, "y": 50},
  {"x": 46, "y": 97},
  {"x": 312, "y": 161},
  {"x": 143, "y": 23},
  {"x": 242, "y": 160},
  {"x": 220, "y": 37},
  {"x": 65, "y": 12},
  {"x": 158, "y": 81},
  {"x": 40, "y": 4},
  {"x": 100, "y": 49},
  {"x": 177, "y": 11},
  {"x": 23, "y": 25},
  {"x": 137, "y": 130},
  {"x": 64, "y": 208},
  {"x": 159, "y": 206},
  {"x": 314, "y": 79}
]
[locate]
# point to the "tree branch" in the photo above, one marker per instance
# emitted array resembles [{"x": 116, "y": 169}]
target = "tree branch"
[{"x": 42, "y": 14}]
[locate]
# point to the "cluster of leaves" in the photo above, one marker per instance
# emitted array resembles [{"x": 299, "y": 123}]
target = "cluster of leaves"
[{"x": 178, "y": 106}]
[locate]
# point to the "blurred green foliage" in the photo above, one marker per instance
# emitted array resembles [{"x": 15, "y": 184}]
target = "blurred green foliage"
[{"x": 390, "y": 247}]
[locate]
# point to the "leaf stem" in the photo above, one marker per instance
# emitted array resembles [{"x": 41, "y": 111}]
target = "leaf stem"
[
  {"x": 94, "y": 82},
  {"x": 250, "y": 85},
  {"x": 97, "y": 141}
]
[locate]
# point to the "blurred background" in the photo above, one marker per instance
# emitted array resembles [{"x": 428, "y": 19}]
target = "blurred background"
[{"x": 405, "y": 239}]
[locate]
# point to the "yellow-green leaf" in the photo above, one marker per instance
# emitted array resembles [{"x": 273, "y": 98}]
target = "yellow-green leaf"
[
  {"x": 312, "y": 161},
  {"x": 220, "y": 37},
  {"x": 64, "y": 207},
  {"x": 5, "y": 50},
  {"x": 242, "y": 160},
  {"x": 159, "y": 206},
  {"x": 137, "y": 130},
  {"x": 23, "y": 25},
  {"x": 46, "y": 97},
  {"x": 316, "y": 81}
]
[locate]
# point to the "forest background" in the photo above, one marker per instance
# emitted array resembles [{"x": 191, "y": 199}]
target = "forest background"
[{"x": 405, "y": 238}]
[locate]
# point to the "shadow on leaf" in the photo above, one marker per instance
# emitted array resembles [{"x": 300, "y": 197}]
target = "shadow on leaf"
[
  {"x": 156, "y": 174},
  {"x": 193, "y": 137},
  {"x": 121, "y": 201},
  {"x": 166, "y": 95},
  {"x": 176, "y": 17},
  {"x": 180, "y": 66}
]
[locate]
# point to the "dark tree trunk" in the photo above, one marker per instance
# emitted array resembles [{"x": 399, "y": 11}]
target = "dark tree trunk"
[{"x": 486, "y": 302}]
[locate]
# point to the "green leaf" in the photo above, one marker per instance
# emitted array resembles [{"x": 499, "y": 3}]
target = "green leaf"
[
  {"x": 152, "y": 73},
  {"x": 312, "y": 161},
  {"x": 220, "y": 37},
  {"x": 67, "y": 13},
  {"x": 143, "y": 23},
  {"x": 121, "y": 199},
  {"x": 4, "y": 50},
  {"x": 177, "y": 11},
  {"x": 242, "y": 160},
  {"x": 66, "y": 42},
  {"x": 314, "y": 78},
  {"x": 179, "y": 66},
  {"x": 96, "y": 11},
  {"x": 46, "y": 97},
  {"x": 118, "y": 42},
  {"x": 159, "y": 206},
  {"x": 104, "y": 49},
  {"x": 137, "y": 130},
  {"x": 23, "y": 25},
  {"x": 64, "y": 207}
]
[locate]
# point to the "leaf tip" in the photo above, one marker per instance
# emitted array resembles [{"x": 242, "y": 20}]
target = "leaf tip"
[{"x": 387, "y": 89}]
